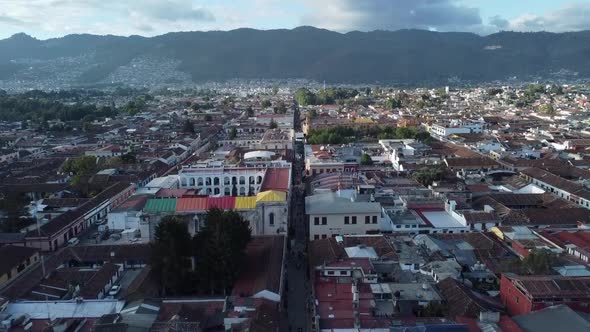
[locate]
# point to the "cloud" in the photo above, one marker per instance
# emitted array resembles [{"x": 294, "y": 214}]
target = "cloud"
[
  {"x": 571, "y": 17},
  {"x": 347, "y": 15},
  {"x": 172, "y": 10},
  {"x": 60, "y": 17},
  {"x": 11, "y": 21},
  {"x": 499, "y": 22}
]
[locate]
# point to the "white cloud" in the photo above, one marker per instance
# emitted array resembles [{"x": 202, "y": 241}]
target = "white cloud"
[
  {"x": 59, "y": 17},
  {"x": 571, "y": 17},
  {"x": 45, "y": 18}
]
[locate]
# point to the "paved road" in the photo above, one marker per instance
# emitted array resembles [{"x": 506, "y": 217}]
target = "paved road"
[{"x": 297, "y": 298}]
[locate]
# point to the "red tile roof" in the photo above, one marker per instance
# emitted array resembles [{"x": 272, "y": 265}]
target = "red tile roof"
[
  {"x": 580, "y": 239},
  {"x": 263, "y": 266},
  {"x": 276, "y": 179}
]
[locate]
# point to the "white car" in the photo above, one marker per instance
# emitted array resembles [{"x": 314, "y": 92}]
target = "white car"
[
  {"x": 115, "y": 290},
  {"x": 73, "y": 241}
]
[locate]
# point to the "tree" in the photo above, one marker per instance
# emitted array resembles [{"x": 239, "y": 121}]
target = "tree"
[
  {"x": 250, "y": 111},
  {"x": 86, "y": 127},
  {"x": 423, "y": 136},
  {"x": 233, "y": 132},
  {"x": 313, "y": 114},
  {"x": 84, "y": 165},
  {"x": 273, "y": 124},
  {"x": 556, "y": 89},
  {"x": 208, "y": 118},
  {"x": 219, "y": 250},
  {"x": 547, "y": 109},
  {"x": 171, "y": 256},
  {"x": 393, "y": 103},
  {"x": 266, "y": 103},
  {"x": 80, "y": 167},
  {"x": 280, "y": 108},
  {"x": 135, "y": 106},
  {"x": 366, "y": 160},
  {"x": 539, "y": 261},
  {"x": 188, "y": 127},
  {"x": 427, "y": 175},
  {"x": 305, "y": 97},
  {"x": 275, "y": 90},
  {"x": 129, "y": 158}
]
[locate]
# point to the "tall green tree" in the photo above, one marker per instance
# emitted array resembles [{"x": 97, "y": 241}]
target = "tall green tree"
[
  {"x": 233, "y": 132},
  {"x": 250, "y": 111},
  {"x": 539, "y": 261},
  {"x": 366, "y": 160},
  {"x": 305, "y": 97},
  {"x": 81, "y": 166},
  {"x": 219, "y": 250},
  {"x": 171, "y": 256},
  {"x": 273, "y": 124},
  {"x": 188, "y": 127}
]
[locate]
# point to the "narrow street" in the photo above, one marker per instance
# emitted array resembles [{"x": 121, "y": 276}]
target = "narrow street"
[{"x": 297, "y": 296}]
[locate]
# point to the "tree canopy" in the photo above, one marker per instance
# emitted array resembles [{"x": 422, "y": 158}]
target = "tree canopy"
[
  {"x": 428, "y": 174},
  {"x": 171, "y": 256},
  {"x": 305, "y": 97},
  {"x": 219, "y": 250},
  {"x": 366, "y": 160},
  {"x": 266, "y": 103},
  {"x": 80, "y": 167},
  {"x": 188, "y": 127},
  {"x": 44, "y": 107},
  {"x": 273, "y": 124},
  {"x": 345, "y": 134},
  {"x": 233, "y": 132},
  {"x": 539, "y": 261}
]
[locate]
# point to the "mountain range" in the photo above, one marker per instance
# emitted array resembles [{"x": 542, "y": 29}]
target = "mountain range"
[{"x": 406, "y": 56}]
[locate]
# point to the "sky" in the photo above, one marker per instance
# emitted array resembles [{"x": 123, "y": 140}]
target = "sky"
[{"x": 45, "y": 19}]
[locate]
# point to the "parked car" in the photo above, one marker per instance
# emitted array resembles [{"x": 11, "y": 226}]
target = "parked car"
[
  {"x": 115, "y": 290},
  {"x": 73, "y": 241}
]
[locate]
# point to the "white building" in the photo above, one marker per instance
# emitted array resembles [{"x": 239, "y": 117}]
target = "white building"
[
  {"x": 456, "y": 127},
  {"x": 235, "y": 181},
  {"x": 332, "y": 214}
]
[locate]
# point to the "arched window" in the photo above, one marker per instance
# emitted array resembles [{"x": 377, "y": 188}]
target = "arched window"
[
  {"x": 216, "y": 181},
  {"x": 192, "y": 182},
  {"x": 271, "y": 218}
]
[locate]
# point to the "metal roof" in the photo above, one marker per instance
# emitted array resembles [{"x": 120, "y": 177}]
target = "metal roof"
[
  {"x": 191, "y": 204},
  {"x": 271, "y": 196},
  {"x": 331, "y": 203},
  {"x": 224, "y": 203},
  {"x": 159, "y": 205},
  {"x": 245, "y": 203}
]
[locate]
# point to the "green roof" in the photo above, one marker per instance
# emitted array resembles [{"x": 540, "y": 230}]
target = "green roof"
[{"x": 160, "y": 205}]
